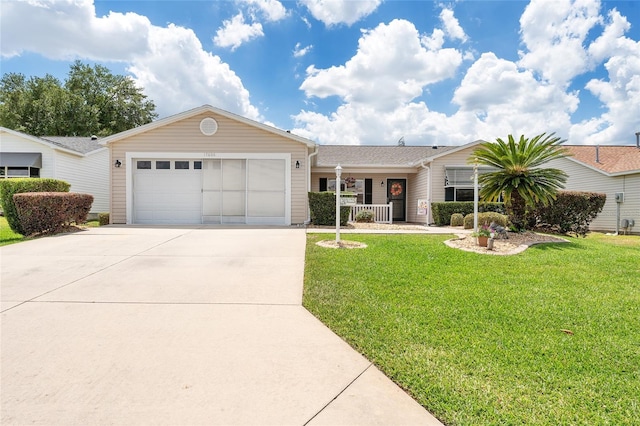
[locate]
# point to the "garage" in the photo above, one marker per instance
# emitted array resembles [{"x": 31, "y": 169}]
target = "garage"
[
  {"x": 209, "y": 166},
  {"x": 210, "y": 191}
]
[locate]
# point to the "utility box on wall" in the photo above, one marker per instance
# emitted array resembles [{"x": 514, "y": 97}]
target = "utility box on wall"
[{"x": 619, "y": 197}]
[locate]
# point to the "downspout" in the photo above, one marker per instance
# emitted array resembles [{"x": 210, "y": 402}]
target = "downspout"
[
  {"x": 428, "y": 191},
  {"x": 313, "y": 154}
]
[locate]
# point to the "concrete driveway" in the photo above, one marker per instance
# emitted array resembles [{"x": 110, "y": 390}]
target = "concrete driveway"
[{"x": 180, "y": 326}]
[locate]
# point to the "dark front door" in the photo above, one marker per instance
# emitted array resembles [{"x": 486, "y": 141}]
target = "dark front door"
[{"x": 397, "y": 194}]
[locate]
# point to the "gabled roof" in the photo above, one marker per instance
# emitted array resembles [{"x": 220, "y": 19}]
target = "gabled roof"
[
  {"x": 83, "y": 145},
  {"x": 200, "y": 110},
  {"x": 609, "y": 159},
  {"x": 382, "y": 155},
  {"x": 70, "y": 144},
  {"x": 367, "y": 155}
]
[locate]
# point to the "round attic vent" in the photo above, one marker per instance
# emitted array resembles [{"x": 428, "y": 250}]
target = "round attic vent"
[{"x": 208, "y": 126}]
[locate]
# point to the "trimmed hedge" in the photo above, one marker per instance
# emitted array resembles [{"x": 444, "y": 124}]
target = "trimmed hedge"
[
  {"x": 9, "y": 187},
  {"x": 442, "y": 211},
  {"x": 485, "y": 219},
  {"x": 571, "y": 211},
  {"x": 103, "y": 219},
  {"x": 323, "y": 209},
  {"x": 51, "y": 211},
  {"x": 457, "y": 219}
]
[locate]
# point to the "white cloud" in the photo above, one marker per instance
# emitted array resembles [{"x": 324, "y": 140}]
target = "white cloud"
[
  {"x": 389, "y": 68},
  {"x": 554, "y": 33},
  {"x": 273, "y": 10},
  {"x": 235, "y": 31},
  {"x": 452, "y": 26},
  {"x": 377, "y": 85},
  {"x": 169, "y": 62},
  {"x": 620, "y": 93},
  {"x": 300, "y": 51},
  {"x": 333, "y": 12}
]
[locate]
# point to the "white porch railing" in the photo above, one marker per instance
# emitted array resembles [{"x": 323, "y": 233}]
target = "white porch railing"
[{"x": 382, "y": 213}]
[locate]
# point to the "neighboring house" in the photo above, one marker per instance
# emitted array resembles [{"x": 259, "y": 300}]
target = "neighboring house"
[
  {"x": 610, "y": 170},
  {"x": 206, "y": 166},
  {"x": 81, "y": 161}
]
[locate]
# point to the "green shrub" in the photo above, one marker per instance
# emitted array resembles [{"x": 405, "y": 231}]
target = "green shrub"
[
  {"x": 322, "y": 206},
  {"x": 51, "y": 211},
  {"x": 9, "y": 187},
  {"x": 103, "y": 219},
  {"x": 457, "y": 219},
  {"x": 571, "y": 211},
  {"x": 366, "y": 216},
  {"x": 442, "y": 211},
  {"x": 485, "y": 219}
]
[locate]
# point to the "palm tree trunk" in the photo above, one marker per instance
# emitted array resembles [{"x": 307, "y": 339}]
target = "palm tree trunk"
[{"x": 517, "y": 211}]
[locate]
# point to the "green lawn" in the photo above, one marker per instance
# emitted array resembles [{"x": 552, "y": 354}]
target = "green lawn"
[
  {"x": 547, "y": 337},
  {"x": 7, "y": 236}
]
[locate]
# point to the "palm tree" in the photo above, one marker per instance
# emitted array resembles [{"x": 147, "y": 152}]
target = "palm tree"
[{"x": 519, "y": 179}]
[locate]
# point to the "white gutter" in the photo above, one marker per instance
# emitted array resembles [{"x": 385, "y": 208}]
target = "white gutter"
[
  {"x": 429, "y": 221},
  {"x": 313, "y": 154}
]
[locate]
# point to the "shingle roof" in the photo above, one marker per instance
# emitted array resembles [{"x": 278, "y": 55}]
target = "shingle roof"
[
  {"x": 364, "y": 155},
  {"x": 83, "y": 145},
  {"x": 611, "y": 158}
]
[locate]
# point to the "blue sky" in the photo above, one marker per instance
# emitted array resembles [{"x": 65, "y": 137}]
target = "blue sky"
[{"x": 358, "y": 71}]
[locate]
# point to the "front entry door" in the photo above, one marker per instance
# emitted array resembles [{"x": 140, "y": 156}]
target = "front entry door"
[{"x": 397, "y": 194}]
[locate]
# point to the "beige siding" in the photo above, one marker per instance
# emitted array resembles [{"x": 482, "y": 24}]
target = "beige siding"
[
  {"x": 438, "y": 171},
  {"x": 232, "y": 137},
  {"x": 89, "y": 175},
  {"x": 417, "y": 189},
  {"x": 582, "y": 178},
  {"x": 12, "y": 143}
]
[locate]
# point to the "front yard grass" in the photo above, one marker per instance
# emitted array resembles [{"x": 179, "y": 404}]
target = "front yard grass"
[
  {"x": 7, "y": 236},
  {"x": 547, "y": 337}
]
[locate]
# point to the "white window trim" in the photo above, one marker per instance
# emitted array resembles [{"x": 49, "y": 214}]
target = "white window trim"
[{"x": 131, "y": 156}]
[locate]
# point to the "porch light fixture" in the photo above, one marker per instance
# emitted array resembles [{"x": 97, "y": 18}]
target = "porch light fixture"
[
  {"x": 297, "y": 164},
  {"x": 118, "y": 163},
  {"x": 381, "y": 183}
]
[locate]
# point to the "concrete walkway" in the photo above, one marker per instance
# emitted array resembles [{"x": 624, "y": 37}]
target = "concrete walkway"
[{"x": 177, "y": 326}]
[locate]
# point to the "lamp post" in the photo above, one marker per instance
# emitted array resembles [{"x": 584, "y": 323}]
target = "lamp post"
[
  {"x": 338, "y": 175},
  {"x": 475, "y": 196}
]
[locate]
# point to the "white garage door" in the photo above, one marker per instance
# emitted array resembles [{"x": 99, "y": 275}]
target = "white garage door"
[
  {"x": 251, "y": 191},
  {"x": 167, "y": 191},
  {"x": 217, "y": 191}
]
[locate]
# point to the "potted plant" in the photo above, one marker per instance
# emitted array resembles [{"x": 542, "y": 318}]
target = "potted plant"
[{"x": 482, "y": 235}]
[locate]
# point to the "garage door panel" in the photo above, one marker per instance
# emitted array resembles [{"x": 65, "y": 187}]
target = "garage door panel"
[
  {"x": 269, "y": 204},
  {"x": 167, "y": 196}
]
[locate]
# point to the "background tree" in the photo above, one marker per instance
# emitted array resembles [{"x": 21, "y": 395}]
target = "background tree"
[
  {"x": 92, "y": 101},
  {"x": 518, "y": 178}
]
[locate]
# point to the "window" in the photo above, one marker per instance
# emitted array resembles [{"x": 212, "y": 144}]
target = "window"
[
  {"x": 182, "y": 165},
  {"x": 143, "y": 165},
  {"x": 349, "y": 184},
  {"x": 17, "y": 172},
  {"x": 163, "y": 165},
  {"x": 458, "y": 183},
  {"x": 197, "y": 165}
]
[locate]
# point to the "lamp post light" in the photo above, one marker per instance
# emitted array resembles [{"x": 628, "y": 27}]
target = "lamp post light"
[{"x": 338, "y": 175}]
